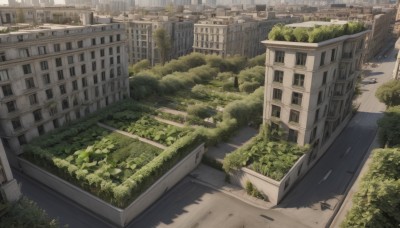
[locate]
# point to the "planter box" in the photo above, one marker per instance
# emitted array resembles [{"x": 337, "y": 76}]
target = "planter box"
[{"x": 118, "y": 216}]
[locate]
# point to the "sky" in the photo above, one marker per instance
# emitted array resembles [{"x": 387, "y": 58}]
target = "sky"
[{"x": 2, "y": 2}]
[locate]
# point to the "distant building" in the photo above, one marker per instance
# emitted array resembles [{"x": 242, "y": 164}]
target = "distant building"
[
  {"x": 309, "y": 87},
  {"x": 9, "y": 188},
  {"x": 55, "y": 74},
  {"x": 141, "y": 42},
  {"x": 396, "y": 70},
  {"x": 227, "y": 35}
]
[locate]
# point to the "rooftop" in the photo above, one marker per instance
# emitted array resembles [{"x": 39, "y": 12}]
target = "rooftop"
[{"x": 312, "y": 24}]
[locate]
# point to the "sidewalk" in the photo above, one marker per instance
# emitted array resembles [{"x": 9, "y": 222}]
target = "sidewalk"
[
  {"x": 348, "y": 201},
  {"x": 215, "y": 179}
]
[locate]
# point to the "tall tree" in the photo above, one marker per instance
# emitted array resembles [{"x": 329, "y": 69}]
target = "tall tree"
[
  {"x": 163, "y": 43},
  {"x": 389, "y": 93}
]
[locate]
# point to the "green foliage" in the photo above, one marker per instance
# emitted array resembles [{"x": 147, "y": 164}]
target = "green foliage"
[
  {"x": 163, "y": 43},
  {"x": 389, "y": 93},
  {"x": 230, "y": 64},
  {"x": 253, "y": 191},
  {"x": 377, "y": 203},
  {"x": 139, "y": 66},
  {"x": 314, "y": 35},
  {"x": 200, "y": 110},
  {"x": 389, "y": 127},
  {"x": 254, "y": 74},
  {"x": 249, "y": 87},
  {"x": 26, "y": 213},
  {"x": 143, "y": 86},
  {"x": 259, "y": 60},
  {"x": 270, "y": 158}
]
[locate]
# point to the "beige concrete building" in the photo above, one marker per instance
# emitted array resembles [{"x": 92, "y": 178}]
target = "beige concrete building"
[
  {"x": 142, "y": 44},
  {"x": 396, "y": 70},
  {"x": 309, "y": 86},
  {"x": 228, "y": 36},
  {"x": 9, "y": 188},
  {"x": 55, "y": 74}
]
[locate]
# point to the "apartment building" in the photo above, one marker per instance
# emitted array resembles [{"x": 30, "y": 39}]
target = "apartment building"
[
  {"x": 396, "y": 70},
  {"x": 55, "y": 74},
  {"x": 9, "y": 188},
  {"x": 228, "y": 36},
  {"x": 309, "y": 86},
  {"x": 142, "y": 43}
]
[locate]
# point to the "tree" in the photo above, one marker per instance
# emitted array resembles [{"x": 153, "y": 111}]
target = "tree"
[
  {"x": 139, "y": 66},
  {"x": 163, "y": 43},
  {"x": 389, "y": 93},
  {"x": 389, "y": 127}
]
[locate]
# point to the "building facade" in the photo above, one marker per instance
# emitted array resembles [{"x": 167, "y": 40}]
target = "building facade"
[
  {"x": 9, "y": 188},
  {"x": 228, "y": 36},
  {"x": 309, "y": 87},
  {"x": 142, "y": 43},
  {"x": 55, "y": 74}
]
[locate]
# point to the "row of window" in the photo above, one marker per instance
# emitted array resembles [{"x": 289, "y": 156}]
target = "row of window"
[
  {"x": 298, "y": 79},
  {"x": 301, "y": 57}
]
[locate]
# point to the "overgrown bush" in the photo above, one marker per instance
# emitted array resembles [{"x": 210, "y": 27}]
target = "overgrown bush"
[
  {"x": 389, "y": 127},
  {"x": 200, "y": 110},
  {"x": 259, "y": 60},
  {"x": 143, "y": 86},
  {"x": 139, "y": 66}
]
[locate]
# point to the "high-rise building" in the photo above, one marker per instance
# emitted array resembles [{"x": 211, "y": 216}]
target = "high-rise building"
[
  {"x": 55, "y": 74},
  {"x": 309, "y": 86}
]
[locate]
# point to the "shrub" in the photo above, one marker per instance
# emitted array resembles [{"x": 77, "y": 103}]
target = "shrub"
[
  {"x": 200, "y": 110},
  {"x": 225, "y": 76},
  {"x": 249, "y": 87},
  {"x": 139, "y": 66},
  {"x": 389, "y": 93},
  {"x": 259, "y": 60},
  {"x": 389, "y": 127},
  {"x": 143, "y": 86},
  {"x": 254, "y": 74},
  {"x": 300, "y": 34},
  {"x": 228, "y": 86}
]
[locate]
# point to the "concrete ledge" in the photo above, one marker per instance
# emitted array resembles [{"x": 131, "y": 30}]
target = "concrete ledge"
[
  {"x": 118, "y": 216},
  {"x": 11, "y": 190}
]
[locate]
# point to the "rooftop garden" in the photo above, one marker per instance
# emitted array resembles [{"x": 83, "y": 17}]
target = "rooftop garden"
[
  {"x": 315, "y": 34},
  {"x": 268, "y": 157}
]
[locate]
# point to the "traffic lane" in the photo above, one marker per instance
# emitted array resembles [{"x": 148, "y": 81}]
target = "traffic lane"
[
  {"x": 58, "y": 206},
  {"x": 190, "y": 204}
]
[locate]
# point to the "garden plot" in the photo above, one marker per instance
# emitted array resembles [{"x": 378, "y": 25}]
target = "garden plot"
[{"x": 145, "y": 126}]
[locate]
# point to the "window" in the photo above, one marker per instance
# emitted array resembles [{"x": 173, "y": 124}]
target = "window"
[
  {"x": 72, "y": 71},
  {"x": 103, "y": 64},
  {"x": 86, "y": 95},
  {"x": 81, "y": 57},
  {"x": 33, "y": 99},
  {"x": 118, "y": 49},
  {"x": 4, "y": 75},
  {"x": 278, "y": 76},
  {"x": 93, "y": 54},
  {"x": 62, "y": 89},
  {"x": 94, "y": 66},
  {"x": 95, "y": 79},
  {"x": 3, "y": 57},
  {"x": 55, "y": 123},
  {"x": 103, "y": 76},
  {"x": 70, "y": 59},
  {"x": 276, "y": 111},
  {"x": 118, "y": 59},
  {"x": 102, "y": 40},
  {"x": 320, "y": 97},
  {"x": 80, "y": 44},
  {"x": 53, "y": 110},
  {"x": 42, "y": 50},
  {"x": 103, "y": 87},
  {"x": 27, "y": 69},
  {"x": 316, "y": 118},
  {"x": 67, "y": 118},
  {"x": 7, "y": 91},
  {"x": 65, "y": 104},
  {"x": 110, "y": 50},
  {"x": 322, "y": 62},
  {"x": 294, "y": 116},
  {"x": 84, "y": 82},
  {"x": 44, "y": 65},
  {"x": 40, "y": 129},
  {"x": 111, "y": 61},
  {"x": 49, "y": 93},
  {"x": 101, "y": 52},
  {"x": 301, "y": 58},
  {"x": 292, "y": 136},
  {"x": 112, "y": 73},
  {"x": 111, "y": 39},
  {"x": 22, "y": 140},
  {"x": 29, "y": 83},
  {"x": 11, "y": 106},
  {"x": 77, "y": 114},
  {"x": 96, "y": 91},
  {"x": 60, "y": 74},
  {"x": 23, "y": 53},
  {"x": 118, "y": 37},
  {"x": 75, "y": 102},
  {"x": 333, "y": 55},
  {"x": 324, "y": 77},
  {"x": 37, "y": 115},
  {"x": 75, "y": 85},
  {"x": 296, "y": 98},
  {"x": 57, "y": 48},
  {"x": 69, "y": 45},
  {"x": 298, "y": 80},
  {"x": 83, "y": 69},
  {"x": 279, "y": 56},
  {"x": 16, "y": 123},
  {"x": 58, "y": 62},
  {"x": 46, "y": 79},
  {"x": 313, "y": 134},
  {"x": 277, "y": 94}
]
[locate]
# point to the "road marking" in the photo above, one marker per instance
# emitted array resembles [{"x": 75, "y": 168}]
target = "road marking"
[
  {"x": 347, "y": 151},
  {"x": 325, "y": 177}
]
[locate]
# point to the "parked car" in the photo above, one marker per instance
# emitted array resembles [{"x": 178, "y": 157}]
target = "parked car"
[{"x": 369, "y": 81}]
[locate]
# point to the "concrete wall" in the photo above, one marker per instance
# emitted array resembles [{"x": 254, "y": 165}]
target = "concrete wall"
[
  {"x": 116, "y": 215},
  {"x": 276, "y": 190}
]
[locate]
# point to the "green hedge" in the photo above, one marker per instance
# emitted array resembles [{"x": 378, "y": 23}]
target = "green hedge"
[{"x": 314, "y": 35}]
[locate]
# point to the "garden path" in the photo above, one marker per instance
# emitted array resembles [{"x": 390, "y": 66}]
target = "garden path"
[
  {"x": 172, "y": 111},
  {"x": 169, "y": 122},
  {"x": 132, "y": 136}
]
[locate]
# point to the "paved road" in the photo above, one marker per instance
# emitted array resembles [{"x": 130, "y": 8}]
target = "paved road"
[
  {"x": 304, "y": 201},
  {"x": 190, "y": 205}
]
